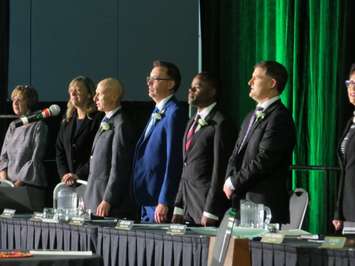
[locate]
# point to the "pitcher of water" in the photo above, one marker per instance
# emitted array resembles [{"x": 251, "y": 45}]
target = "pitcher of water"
[{"x": 254, "y": 215}]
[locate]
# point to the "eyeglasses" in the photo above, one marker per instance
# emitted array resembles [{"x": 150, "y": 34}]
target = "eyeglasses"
[
  {"x": 156, "y": 78},
  {"x": 349, "y": 83}
]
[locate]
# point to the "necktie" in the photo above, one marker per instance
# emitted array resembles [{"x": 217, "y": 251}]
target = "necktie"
[
  {"x": 190, "y": 133},
  {"x": 251, "y": 122},
  {"x": 151, "y": 122}
]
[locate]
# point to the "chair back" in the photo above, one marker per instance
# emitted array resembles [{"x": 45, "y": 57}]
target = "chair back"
[
  {"x": 6, "y": 183},
  {"x": 298, "y": 207},
  {"x": 66, "y": 197}
]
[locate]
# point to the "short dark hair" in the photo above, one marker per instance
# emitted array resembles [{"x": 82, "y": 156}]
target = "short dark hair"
[
  {"x": 352, "y": 69},
  {"x": 172, "y": 71},
  {"x": 211, "y": 81},
  {"x": 276, "y": 71}
]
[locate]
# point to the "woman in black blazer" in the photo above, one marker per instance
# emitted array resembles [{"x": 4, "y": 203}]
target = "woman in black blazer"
[
  {"x": 345, "y": 208},
  {"x": 77, "y": 131}
]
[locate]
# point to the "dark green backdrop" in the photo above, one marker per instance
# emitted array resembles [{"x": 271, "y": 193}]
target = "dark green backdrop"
[{"x": 313, "y": 40}]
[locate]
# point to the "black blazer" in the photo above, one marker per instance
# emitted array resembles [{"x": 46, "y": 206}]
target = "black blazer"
[
  {"x": 73, "y": 150},
  {"x": 201, "y": 185},
  {"x": 345, "y": 207},
  {"x": 260, "y": 170}
]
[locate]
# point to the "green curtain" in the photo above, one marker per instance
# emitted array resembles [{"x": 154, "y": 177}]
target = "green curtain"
[{"x": 310, "y": 38}]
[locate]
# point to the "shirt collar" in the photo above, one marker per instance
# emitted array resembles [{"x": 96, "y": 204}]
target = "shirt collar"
[
  {"x": 206, "y": 110},
  {"x": 162, "y": 103},
  {"x": 112, "y": 112},
  {"x": 267, "y": 103}
]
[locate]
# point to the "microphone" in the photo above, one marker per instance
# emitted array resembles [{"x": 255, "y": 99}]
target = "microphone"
[{"x": 53, "y": 110}]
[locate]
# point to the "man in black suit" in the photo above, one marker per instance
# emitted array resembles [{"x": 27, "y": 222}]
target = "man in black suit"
[
  {"x": 258, "y": 169},
  {"x": 207, "y": 144}
]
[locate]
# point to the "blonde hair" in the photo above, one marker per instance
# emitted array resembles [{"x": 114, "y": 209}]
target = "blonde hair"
[
  {"x": 28, "y": 93},
  {"x": 90, "y": 88}
]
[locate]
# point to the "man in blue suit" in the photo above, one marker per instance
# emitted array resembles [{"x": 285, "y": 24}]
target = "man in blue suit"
[{"x": 158, "y": 157}]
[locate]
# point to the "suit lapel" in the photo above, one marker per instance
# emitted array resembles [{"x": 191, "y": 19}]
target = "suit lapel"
[
  {"x": 189, "y": 124},
  {"x": 268, "y": 111},
  {"x": 100, "y": 131},
  {"x": 163, "y": 114},
  {"x": 208, "y": 119}
]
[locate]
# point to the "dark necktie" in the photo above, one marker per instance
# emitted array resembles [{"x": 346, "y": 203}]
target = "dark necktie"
[
  {"x": 191, "y": 132},
  {"x": 250, "y": 126},
  {"x": 346, "y": 138}
]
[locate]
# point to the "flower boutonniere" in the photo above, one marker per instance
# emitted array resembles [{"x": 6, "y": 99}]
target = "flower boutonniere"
[
  {"x": 158, "y": 115},
  {"x": 104, "y": 126},
  {"x": 260, "y": 115},
  {"x": 201, "y": 123}
]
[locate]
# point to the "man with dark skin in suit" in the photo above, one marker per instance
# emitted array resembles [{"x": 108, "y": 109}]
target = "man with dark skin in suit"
[{"x": 200, "y": 198}]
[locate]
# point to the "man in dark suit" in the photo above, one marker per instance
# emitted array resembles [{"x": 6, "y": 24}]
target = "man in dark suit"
[
  {"x": 258, "y": 169},
  {"x": 207, "y": 144},
  {"x": 158, "y": 156},
  {"x": 108, "y": 189}
]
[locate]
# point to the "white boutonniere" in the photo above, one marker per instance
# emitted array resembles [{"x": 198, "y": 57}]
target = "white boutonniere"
[
  {"x": 104, "y": 126},
  {"x": 158, "y": 115},
  {"x": 201, "y": 123},
  {"x": 260, "y": 115}
]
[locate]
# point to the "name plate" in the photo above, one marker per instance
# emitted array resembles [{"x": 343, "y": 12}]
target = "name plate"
[
  {"x": 8, "y": 213},
  {"x": 37, "y": 217},
  {"x": 273, "y": 238},
  {"x": 77, "y": 220},
  {"x": 177, "y": 229},
  {"x": 124, "y": 224},
  {"x": 333, "y": 242}
]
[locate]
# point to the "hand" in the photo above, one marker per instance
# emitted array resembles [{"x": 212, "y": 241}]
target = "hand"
[
  {"x": 18, "y": 183},
  {"x": 161, "y": 213},
  {"x": 205, "y": 221},
  {"x": 338, "y": 224},
  {"x": 103, "y": 209},
  {"x": 3, "y": 174},
  {"x": 228, "y": 191},
  {"x": 177, "y": 219},
  {"x": 69, "y": 179}
]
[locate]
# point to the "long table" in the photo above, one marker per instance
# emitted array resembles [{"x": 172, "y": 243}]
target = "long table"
[
  {"x": 117, "y": 247},
  {"x": 296, "y": 252}
]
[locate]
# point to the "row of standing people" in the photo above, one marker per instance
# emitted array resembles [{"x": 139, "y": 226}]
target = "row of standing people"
[
  {"x": 174, "y": 172},
  {"x": 185, "y": 172}
]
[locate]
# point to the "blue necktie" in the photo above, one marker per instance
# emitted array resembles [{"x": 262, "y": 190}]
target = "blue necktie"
[{"x": 151, "y": 122}]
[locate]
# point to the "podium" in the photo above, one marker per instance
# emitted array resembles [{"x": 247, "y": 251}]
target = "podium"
[{"x": 22, "y": 199}]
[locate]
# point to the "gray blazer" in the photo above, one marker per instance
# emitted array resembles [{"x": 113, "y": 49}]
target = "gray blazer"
[{"x": 110, "y": 167}]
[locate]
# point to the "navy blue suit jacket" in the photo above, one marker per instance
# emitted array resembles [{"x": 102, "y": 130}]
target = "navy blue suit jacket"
[{"x": 158, "y": 158}]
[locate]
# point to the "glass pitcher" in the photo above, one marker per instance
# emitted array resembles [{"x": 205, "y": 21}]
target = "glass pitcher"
[{"x": 254, "y": 215}]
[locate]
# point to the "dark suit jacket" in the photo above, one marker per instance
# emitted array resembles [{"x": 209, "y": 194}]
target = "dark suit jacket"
[
  {"x": 158, "y": 158},
  {"x": 73, "y": 150},
  {"x": 110, "y": 167},
  {"x": 201, "y": 185},
  {"x": 260, "y": 170},
  {"x": 345, "y": 208}
]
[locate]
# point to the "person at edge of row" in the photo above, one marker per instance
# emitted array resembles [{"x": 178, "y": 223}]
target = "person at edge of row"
[
  {"x": 108, "y": 188},
  {"x": 23, "y": 151},
  {"x": 207, "y": 144},
  {"x": 345, "y": 206},
  {"x": 258, "y": 169},
  {"x": 157, "y": 161},
  {"x": 77, "y": 131}
]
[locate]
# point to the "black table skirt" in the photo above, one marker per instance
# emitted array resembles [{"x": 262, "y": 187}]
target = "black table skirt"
[
  {"x": 298, "y": 253},
  {"x": 119, "y": 247},
  {"x": 25, "y": 234},
  {"x": 39, "y": 260}
]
